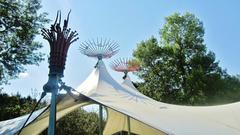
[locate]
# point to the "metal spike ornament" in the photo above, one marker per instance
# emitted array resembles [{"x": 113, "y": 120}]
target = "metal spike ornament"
[
  {"x": 100, "y": 48},
  {"x": 59, "y": 40},
  {"x": 125, "y": 65}
]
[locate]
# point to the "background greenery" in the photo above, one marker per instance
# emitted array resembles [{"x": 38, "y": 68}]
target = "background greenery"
[
  {"x": 15, "y": 105},
  {"x": 176, "y": 67},
  {"x": 179, "y": 69},
  {"x": 20, "y": 22}
]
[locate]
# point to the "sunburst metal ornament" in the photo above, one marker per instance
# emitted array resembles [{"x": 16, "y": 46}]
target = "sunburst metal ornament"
[
  {"x": 100, "y": 48},
  {"x": 125, "y": 65}
]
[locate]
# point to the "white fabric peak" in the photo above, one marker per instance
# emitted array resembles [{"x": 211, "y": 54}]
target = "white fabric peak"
[
  {"x": 167, "y": 118},
  {"x": 147, "y": 116}
]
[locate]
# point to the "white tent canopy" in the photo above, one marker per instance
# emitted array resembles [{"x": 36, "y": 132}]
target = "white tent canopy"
[
  {"x": 167, "y": 118},
  {"x": 147, "y": 116},
  {"x": 66, "y": 104}
]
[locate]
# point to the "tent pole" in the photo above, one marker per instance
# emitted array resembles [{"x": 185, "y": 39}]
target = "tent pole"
[
  {"x": 100, "y": 119},
  {"x": 59, "y": 43},
  {"x": 129, "y": 129},
  {"x": 52, "y": 117}
]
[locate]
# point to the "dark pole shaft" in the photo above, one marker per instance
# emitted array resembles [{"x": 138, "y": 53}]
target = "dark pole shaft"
[
  {"x": 129, "y": 126},
  {"x": 100, "y": 119}
]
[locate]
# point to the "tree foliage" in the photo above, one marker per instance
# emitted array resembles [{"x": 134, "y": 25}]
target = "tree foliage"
[
  {"x": 178, "y": 68},
  {"x": 20, "y": 22},
  {"x": 16, "y": 105},
  {"x": 83, "y": 123},
  {"x": 78, "y": 122}
]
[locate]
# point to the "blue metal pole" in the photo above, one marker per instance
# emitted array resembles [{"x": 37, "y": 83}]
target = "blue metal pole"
[
  {"x": 59, "y": 44},
  {"x": 52, "y": 118}
]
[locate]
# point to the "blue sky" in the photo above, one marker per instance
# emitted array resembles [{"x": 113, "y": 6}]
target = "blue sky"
[{"x": 129, "y": 22}]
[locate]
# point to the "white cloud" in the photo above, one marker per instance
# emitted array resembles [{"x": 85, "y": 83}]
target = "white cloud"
[{"x": 23, "y": 75}]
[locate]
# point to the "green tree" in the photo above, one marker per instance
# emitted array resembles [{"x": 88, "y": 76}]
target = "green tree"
[
  {"x": 178, "y": 68},
  {"x": 20, "y": 22},
  {"x": 230, "y": 91},
  {"x": 84, "y": 123},
  {"x": 78, "y": 122},
  {"x": 16, "y": 105}
]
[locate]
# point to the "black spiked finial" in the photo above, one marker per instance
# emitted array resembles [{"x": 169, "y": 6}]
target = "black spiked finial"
[
  {"x": 59, "y": 40},
  {"x": 100, "y": 48},
  {"x": 66, "y": 21}
]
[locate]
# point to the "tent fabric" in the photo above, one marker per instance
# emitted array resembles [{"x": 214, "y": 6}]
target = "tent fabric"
[
  {"x": 117, "y": 121},
  {"x": 147, "y": 116},
  {"x": 167, "y": 118},
  {"x": 66, "y": 104},
  {"x": 10, "y": 127}
]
